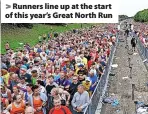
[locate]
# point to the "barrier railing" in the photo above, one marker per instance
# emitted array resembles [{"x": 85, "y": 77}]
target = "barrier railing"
[
  {"x": 100, "y": 88},
  {"x": 143, "y": 49}
]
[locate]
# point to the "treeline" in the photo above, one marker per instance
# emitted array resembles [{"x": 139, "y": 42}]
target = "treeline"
[
  {"x": 141, "y": 16},
  {"x": 30, "y": 25}
]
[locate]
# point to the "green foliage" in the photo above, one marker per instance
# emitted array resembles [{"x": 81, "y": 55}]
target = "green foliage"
[{"x": 141, "y": 16}]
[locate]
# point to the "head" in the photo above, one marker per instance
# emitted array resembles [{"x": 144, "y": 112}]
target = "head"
[
  {"x": 35, "y": 90},
  {"x": 15, "y": 89},
  {"x": 17, "y": 98},
  {"x": 57, "y": 70},
  {"x": 29, "y": 87},
  {"x": 43, "y": 67},
  {"x": 29, "y": 110},
  {"x": 51, "y": 79},
  {"x": 40, "y": 83},
  {"x": 3, "y": 88},
  {"x": 80, "y": 88},
  {"x": 62, "y": 75},
  {"x": 30, "y": 65},
  {"x": 54, "y": 92},
  {"x": 22, "y": 80},
  {"x": 13, "y": 76},
  {"x": 75, "y": 79},
  {"x": 30, "y": 57},
  {"x": 57, "y": 102},
  {"x": 43, "y": 74},
  {"x": 87, "y": 80},
  {"x": 91, "y": 73},
  {"x": 23, "y": 69},
  {"x": 34, "y": 73},
  {"x": 81, "y": 66}
]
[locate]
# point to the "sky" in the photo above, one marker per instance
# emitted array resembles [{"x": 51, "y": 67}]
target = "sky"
[{"x": 131, "y": 7}]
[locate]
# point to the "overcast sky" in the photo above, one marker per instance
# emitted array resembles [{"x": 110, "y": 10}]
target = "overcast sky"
[{"x": 131, "y": 7}]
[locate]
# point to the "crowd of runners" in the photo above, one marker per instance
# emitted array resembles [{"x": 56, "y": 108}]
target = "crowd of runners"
[{"x": 57, "y": 75}]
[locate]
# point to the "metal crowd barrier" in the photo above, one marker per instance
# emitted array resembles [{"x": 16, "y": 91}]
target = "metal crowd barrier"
[
  {"x": 143, "y": 49},
  {"x": 99, "y": 90},
  {"x": 143, "y": 52}
]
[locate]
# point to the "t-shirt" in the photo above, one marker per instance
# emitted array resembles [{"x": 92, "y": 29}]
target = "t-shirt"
[
  {"x": 34, "y": 80},
  {"x": 93, "y": 80},
  {"x": 84, "y": 60},
  {"x": 87, "y": 86},
  {"x": 60, "y": 111},
  {"x": 63, "y": 82}
]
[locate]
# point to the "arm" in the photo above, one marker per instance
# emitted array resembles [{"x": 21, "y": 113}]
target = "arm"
[
  {"x": 9, "y": 94},
  {"x": 73, "y": 101},
  {"x": 67, "y": 94},
  {"x": 9, "y": 107},
  {"x": 94, "y": 84}
]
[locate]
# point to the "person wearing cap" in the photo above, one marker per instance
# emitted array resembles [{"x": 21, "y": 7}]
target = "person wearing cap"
[
  {"x": 87, "y": 84},
  {"x": 23, "y": 73},
  {"x": 81, "y": 70}
]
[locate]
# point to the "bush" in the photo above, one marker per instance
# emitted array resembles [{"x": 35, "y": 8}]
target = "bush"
[{"x": 141, "y": 16}]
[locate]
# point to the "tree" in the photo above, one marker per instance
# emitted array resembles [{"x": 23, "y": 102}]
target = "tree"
[{"x": 141, "y": 16}]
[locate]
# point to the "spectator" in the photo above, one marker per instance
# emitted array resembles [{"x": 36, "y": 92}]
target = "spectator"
[{"x": 80, "y": 100}]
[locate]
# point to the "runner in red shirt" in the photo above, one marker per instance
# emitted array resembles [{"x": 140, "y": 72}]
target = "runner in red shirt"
[{"x": 59, "y": 109}]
